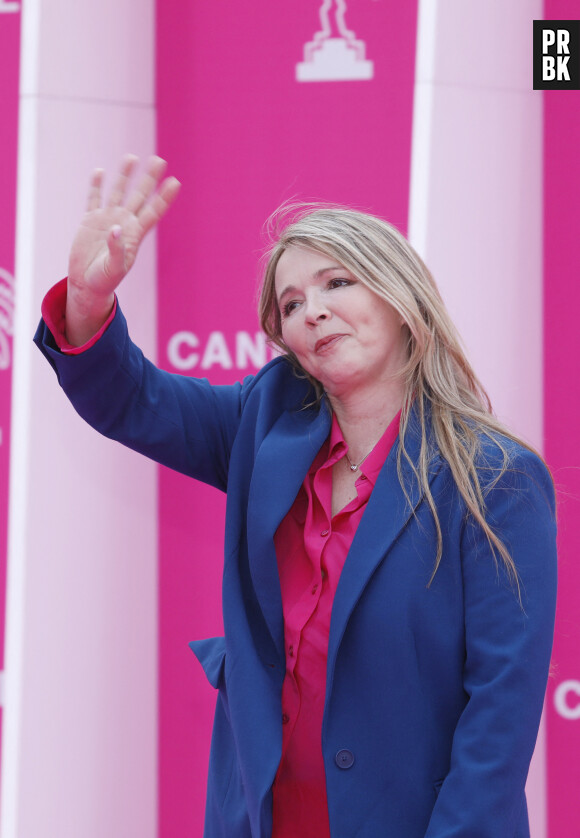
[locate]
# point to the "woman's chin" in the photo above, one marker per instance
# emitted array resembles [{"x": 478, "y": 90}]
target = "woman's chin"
[{"x": 342, "y": 385}]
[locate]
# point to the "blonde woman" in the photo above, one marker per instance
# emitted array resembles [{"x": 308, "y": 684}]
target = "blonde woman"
[{"x": 390, "y": 567}]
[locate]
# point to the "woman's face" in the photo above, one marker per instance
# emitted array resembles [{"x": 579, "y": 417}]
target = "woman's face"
[{"x": 342, "y": 333}]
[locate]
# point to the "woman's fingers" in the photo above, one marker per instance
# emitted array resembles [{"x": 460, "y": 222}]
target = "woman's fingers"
[
  {"x": 147, "y": 184},
  {"x": 120, "y": 225},
  {"x": 150, "y": 199},
  {"x": 159, "y": 203},
  {"x": 119, "y": 190},
  {"x": 95, "y": 190}
]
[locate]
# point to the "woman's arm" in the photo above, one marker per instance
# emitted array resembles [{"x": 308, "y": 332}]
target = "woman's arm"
[{"x": 179, "y": 421}]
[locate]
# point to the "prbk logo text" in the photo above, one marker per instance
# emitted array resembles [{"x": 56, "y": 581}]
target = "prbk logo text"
[{"x": 557, "y": 55}]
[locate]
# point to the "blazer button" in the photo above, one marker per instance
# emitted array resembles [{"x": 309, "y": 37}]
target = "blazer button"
[{"x": 344, "y": 758}]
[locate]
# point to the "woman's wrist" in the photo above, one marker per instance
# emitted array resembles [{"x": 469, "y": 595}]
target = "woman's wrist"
[{"x": 86, "y": 313}]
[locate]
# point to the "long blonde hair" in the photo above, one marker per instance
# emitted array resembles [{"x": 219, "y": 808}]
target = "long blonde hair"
[{"x": 438, "y": 377}]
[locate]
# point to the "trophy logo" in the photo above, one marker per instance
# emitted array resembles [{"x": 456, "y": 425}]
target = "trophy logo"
[
  {"x": 6, "y": 316},
  {"x": 334, "y": 53}
]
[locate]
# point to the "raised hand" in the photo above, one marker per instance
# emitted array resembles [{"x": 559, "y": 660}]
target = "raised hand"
[{"x": 108, "y": 240}]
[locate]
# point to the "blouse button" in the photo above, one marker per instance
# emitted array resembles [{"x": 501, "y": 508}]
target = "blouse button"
[
  {"x": 314, "y": 588},
  {"x": 285, "y": 718},
  {"x": 324, "y": 533},
  {"x": 291, "y": 651}
]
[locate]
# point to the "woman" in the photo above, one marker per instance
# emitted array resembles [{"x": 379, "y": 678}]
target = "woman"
[{"x": 389, "y": 576}]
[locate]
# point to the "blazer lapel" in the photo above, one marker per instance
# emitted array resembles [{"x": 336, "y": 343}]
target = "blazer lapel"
[
  {"x": 388, "y": 511},
  {"x": 281, "y": 464}
]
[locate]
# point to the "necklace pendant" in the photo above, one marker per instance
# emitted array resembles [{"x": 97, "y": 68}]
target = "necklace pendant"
[{"x": 354, "y": 468}]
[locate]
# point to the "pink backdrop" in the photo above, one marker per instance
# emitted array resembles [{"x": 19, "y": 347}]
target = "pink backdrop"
[
  {"x": 562, "y": 408},
  {"x": 9, "y": 50},
  {"x": 243, "y": 134}
]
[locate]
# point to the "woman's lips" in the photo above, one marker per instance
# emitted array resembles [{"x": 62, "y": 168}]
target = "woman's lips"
[{"x": 325, "y": 343}]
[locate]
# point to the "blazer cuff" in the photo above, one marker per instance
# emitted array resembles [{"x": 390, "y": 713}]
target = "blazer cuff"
[{"x": 53, "y": 313}]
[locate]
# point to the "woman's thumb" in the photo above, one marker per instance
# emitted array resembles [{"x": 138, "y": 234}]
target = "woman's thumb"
[{"x": 115, "y": 266}]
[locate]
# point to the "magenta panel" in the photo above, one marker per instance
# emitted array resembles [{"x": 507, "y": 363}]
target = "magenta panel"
[
  {"x": 562, "y": 408},
  {"x": 258, "y": 102},
  {"x": 10, "y": 52}
]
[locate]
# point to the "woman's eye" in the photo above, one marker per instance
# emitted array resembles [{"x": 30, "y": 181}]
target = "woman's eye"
[
  {"x": 289, "y": 308},
  {"x": 339, "y": 283}
]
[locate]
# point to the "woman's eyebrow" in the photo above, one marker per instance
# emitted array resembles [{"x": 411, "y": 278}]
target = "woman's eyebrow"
[
  {"x": 322, "y": 271},
  {"x": 290, "y": 289}
]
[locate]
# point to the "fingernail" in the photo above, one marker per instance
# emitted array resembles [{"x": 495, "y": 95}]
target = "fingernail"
[{"x": 116, "y": 231}]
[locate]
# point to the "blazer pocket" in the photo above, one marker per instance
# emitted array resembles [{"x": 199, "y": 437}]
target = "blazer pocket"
[{"x": 211, "y": 653}]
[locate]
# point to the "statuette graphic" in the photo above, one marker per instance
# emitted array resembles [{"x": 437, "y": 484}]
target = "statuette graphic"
[{"x": 334, "y": 53}]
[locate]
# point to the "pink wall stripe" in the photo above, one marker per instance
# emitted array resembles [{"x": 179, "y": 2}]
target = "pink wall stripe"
[
  {"x": 562, "y": 407},
  {"x": 247, "y": 121}
]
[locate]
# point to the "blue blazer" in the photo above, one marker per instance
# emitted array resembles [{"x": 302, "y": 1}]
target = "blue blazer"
[{"x": 434, "y": 693}]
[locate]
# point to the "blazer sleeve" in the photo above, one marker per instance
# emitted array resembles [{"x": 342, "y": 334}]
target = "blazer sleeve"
[
  {"x": 507, "y": 657},
  {"x": 181, "y": 422}
]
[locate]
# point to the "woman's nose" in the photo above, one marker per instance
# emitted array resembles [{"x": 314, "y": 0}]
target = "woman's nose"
[{"x": 316, "y": 309}]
